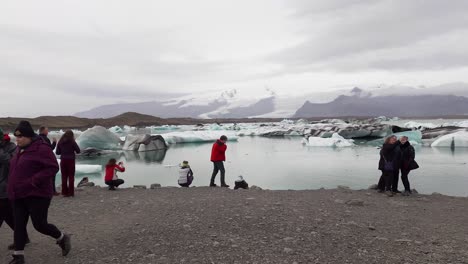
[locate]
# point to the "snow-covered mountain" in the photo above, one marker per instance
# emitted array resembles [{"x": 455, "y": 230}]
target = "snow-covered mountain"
[{"x": 242, "y": 103}]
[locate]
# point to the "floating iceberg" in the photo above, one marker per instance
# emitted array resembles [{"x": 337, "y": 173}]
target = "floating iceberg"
[
  {"x": 455, "y": 140},
  {"x": 414, "y": 137},
  {"x": 86, "y": 168},
  {"x": 144, "y": 143},
  {"x": 413, "y": 124},
  {"x": 98, "y": 137},
  {"x": 334, "y": 141},
  {"x": 196, "y": 136}
]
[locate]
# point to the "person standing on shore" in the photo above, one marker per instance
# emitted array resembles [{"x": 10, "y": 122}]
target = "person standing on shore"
[
  {"x": 111, "y": 178},
  {"x": 67, "y": 149},
  {"x": 218, "y": 156},
  {"x": 407, "y": 163},
  {"x": 389, "y": 162},
  {"x": 32, "y": 170},
  {"x": 44, "y": 133},
  {"x": 7, "y": 150}
]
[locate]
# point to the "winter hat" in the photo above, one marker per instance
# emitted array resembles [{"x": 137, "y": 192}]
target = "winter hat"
[
  {"x": 240, "y": 179},
  {"x": 184, "y": 164},
  {"x": 24, "y": 129}
]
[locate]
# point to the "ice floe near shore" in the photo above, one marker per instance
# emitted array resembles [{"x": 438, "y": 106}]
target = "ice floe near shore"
[{"x": 454, "y": 140}]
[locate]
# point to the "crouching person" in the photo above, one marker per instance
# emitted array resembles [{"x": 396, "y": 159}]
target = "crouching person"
[
  {"x": 111, "y": 178},
  {"x": 30, "y": 189},
  {"x": 185, "y": 174},
  {"x": 240, "y": 183}
]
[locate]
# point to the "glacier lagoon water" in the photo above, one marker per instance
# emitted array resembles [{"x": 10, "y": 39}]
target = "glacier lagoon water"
[{"x": 284, "y": 163}]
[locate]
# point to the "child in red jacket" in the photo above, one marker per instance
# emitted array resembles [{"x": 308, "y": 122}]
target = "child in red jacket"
[{"x": 111, "y": 178}]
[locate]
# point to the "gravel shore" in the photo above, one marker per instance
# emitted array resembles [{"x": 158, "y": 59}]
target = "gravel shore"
[{"x": 214, "y": 225}]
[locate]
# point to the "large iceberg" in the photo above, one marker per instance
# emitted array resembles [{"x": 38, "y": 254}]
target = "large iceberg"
[
  {"x": 455, "y": 140},
  {"x": 196, "y": 136},
  {"x": 98, "y": 137},
  {"x": 144, "y": 143},
  {"x": 414, "y": 137},
  {"x": 86, "y": 168},
  {"x": 334, "y": 141}
]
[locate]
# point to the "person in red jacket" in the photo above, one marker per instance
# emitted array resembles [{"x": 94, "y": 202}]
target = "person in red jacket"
[
  {"x": 111, "y": 178},
  {"x": 218, "y": 156}
]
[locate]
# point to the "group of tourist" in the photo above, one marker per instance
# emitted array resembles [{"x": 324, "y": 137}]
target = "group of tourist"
[
  {"x": 27, "y": 174},
  {"x": 395, "y": 156}
]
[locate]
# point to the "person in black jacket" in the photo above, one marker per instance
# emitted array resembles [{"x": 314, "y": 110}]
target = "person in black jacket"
[
  {"x": 389, "y": 164},
  {"x": 407, "y": 163},
  {"x": 43, "y": 133}
]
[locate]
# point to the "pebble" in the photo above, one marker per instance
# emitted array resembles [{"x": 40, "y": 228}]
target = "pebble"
[
  {"x": 288, "y": 250},
  {"x": 355, "y": 202},
  {"x": 139, "y": 186}
]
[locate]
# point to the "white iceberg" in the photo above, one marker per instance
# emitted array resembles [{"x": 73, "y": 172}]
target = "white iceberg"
[
  {"x": 98, "y": 137},
  {"x": 86, "y": 168},
  {"x": 334, "y": 141},
  {"x": 414, "y": 124},
  {"x": 196, "y": 136},
  {"x": 455, "y": 140}
]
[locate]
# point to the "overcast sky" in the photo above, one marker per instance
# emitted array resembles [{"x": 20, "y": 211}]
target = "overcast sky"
[{"x": 61, "y": 57}]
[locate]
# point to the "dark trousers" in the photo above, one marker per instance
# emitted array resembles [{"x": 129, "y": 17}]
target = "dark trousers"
[
  {"x": 218, "y": 166},
  {"x": 381, "y": 184},
  {"x": 67, "y": 168},
  {"x": 115, "y": 183},
  {"x": 6, "y": 213},
  {"x": 388, "y": 179},
  {"x": 404, "y": 179},
  {"x": 38, "y": 209},
  {"x": 184, "y": 185},
  {"x": 396, "y": 176}
]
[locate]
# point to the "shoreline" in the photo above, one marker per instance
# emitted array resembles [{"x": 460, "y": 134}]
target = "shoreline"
[{"x": 217, "y": 225}]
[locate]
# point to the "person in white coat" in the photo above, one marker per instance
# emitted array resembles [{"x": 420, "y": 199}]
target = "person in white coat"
[{"x": 185, "y": 174}]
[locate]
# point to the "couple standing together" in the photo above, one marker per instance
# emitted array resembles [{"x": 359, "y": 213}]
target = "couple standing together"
[{"x": 396, "y": 155}]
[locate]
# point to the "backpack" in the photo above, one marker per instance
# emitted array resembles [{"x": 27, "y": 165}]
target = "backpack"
[{"x": 388, "y": 165}]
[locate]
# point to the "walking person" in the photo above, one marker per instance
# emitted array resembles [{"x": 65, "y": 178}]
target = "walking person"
[
  {"x": 44, "y": 133},
  {"x": 218, "y": 156},
  {"x": 111, "y": 179},
  {"x": 408, "y": 163},
  {"x": 7, "y": 149},
  {"x": 32, "y": 170},
  {"x": 185, "y": 175},
  {"x": 389, "y": 162},
  {"x": 67, "y": 149}
]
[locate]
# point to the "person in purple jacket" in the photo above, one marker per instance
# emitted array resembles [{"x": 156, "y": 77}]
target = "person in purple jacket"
[
  {"x": 32, "y": 170},
  {"x": 67, "y": 148}
]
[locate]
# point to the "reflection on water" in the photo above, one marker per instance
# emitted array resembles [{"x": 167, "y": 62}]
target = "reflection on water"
[{"x": 284, "y": 163}]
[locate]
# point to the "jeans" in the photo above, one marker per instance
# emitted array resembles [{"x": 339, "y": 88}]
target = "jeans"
[
  {"x": 218, "y": 166},
  {"x": 388, "y": 178},
  {"x": 38, "y": 209},
  {"x": 67, "y": 168},
  {"x": 404, "y": 179},
  {"x": 115, "y": 183},
  {"x": 396, "y": 176}
]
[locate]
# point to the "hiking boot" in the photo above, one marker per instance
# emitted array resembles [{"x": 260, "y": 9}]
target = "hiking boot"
[
  {"x": 12, "y": 246},
  {"x": 17, "y": 259},
  {"x": 397, "y": 191},
  {"x": 389, "y": 193},
  {"x": 112, "y": 188},
  {"x": 213, "y": 185},
  {"x": 406, "y": 193},
  {"x": 225, "y": 186},
  {"x": 65, "y": 244}
]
